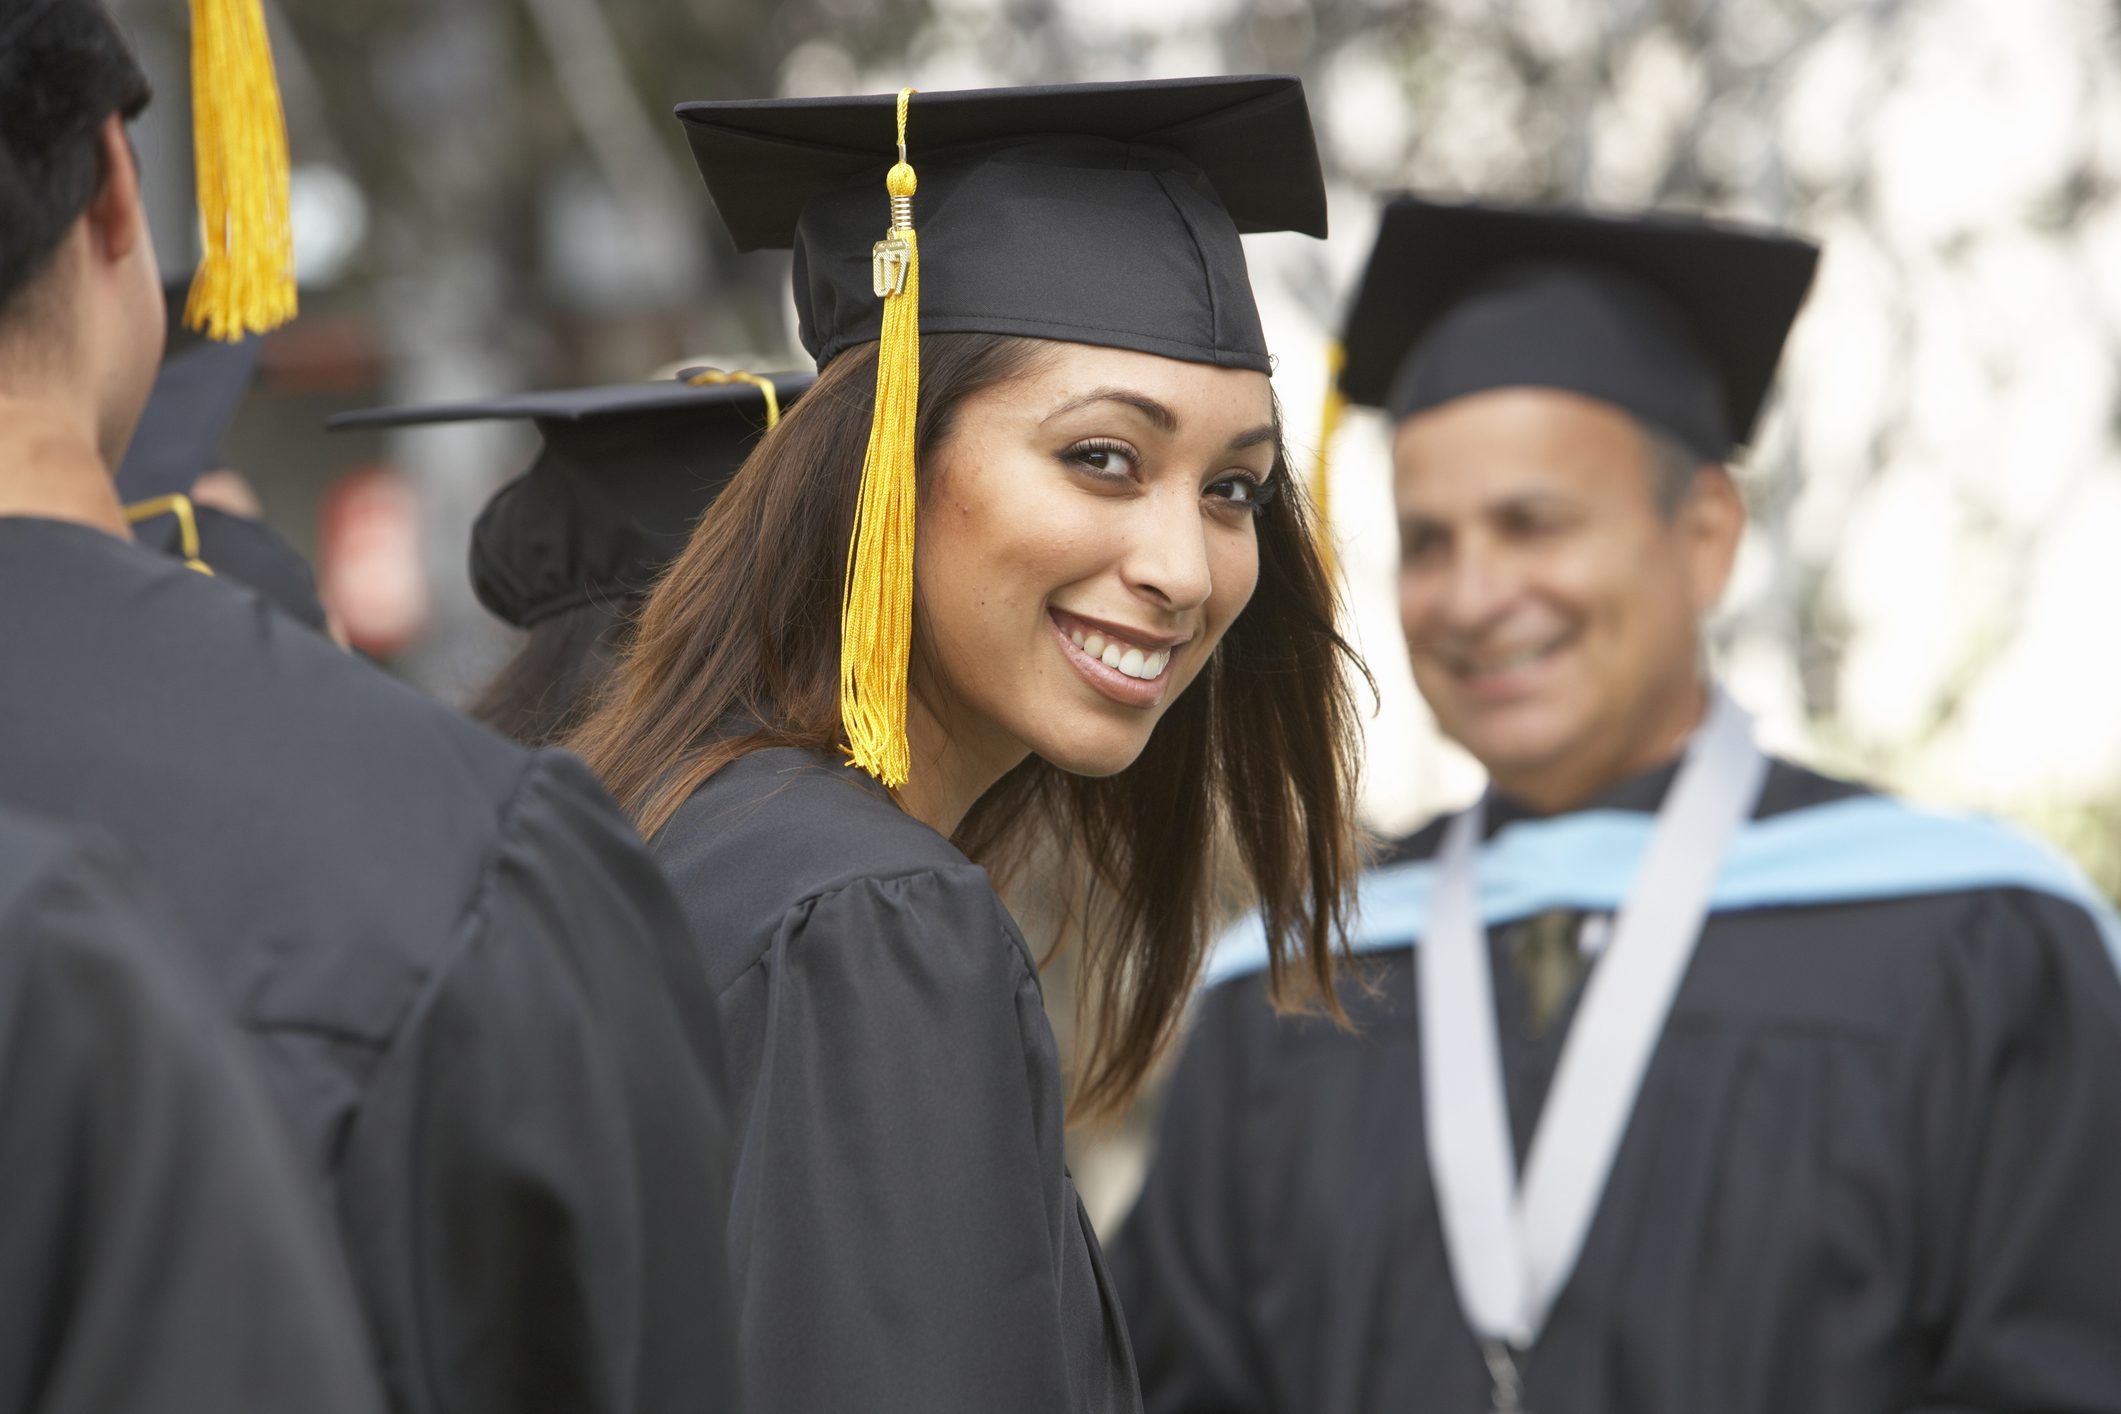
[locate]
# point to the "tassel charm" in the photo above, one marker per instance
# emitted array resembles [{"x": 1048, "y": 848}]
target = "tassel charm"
[
  {"x": 890, "y": 257},
  {"x": 888, "y": 262},
  {"x": 876, "y": 607}
]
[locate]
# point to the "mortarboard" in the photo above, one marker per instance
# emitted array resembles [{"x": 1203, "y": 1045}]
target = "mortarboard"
[
  {"x": 1103, "y": 214},
  {"x": 623, "y": 477},
  {"x": 201, "y": 385},
  {"x": 1675, "y": 320},
  {"x": 179, "y": 432}
]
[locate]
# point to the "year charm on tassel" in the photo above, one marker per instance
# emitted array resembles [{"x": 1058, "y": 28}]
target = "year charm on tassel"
[
  {"x": 888, "y": 260},
  {"x": 890, "y": 257}
]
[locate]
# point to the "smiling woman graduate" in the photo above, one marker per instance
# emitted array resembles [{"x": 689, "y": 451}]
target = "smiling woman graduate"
[{"x": 1026, "y": 556}]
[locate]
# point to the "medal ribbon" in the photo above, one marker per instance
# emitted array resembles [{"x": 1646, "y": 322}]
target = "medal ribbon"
[{"x": 1513, "y": 1246}]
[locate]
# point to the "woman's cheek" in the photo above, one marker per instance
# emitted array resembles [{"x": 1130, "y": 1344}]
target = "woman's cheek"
[{"x": 1234, "y": 566}]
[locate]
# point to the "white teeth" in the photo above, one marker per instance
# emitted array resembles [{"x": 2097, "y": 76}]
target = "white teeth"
[
  {"x": 1521, "y": 658},
  {"x": 1121, "y": 656}
]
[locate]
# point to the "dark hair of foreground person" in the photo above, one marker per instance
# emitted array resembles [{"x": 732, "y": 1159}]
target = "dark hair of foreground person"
[{"x": 1260, "y": 756}]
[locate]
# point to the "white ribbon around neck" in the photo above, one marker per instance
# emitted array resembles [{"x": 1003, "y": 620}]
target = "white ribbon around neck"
[{"x": 1512, "y": 1247}]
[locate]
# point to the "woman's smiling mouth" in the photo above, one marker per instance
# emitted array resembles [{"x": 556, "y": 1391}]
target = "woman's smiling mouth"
[{"x": 1131, "y": 667}]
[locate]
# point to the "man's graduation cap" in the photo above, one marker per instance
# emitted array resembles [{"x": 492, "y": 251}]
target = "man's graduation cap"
[
  {"x": 1103, "y": 214},
  {"x": 1677, "y": 321},
  {"x": 624, "y": 475}
]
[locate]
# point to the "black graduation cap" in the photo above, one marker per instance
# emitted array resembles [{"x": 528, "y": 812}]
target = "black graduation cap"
[
  {"x": 623, "y": 477},
  {"x": 1103, "y": 213},
  {"x": 179, "y": 434},
  {"x": 178, "y": 439},
  {"x": 1676, "y": 320}
]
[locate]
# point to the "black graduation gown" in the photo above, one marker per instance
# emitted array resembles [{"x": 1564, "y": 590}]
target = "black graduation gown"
[
  {"x": 471, "y": 992},
  {"x": 904, "y": 1235},
  {"x": 159, "y": 1250},
  {"x": 1875, "y": 1166}
]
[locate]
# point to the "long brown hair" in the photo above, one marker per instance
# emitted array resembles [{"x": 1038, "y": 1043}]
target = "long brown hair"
[
  {"x": 1254, "y": 764},
  {"x": 548, "y": 688}
]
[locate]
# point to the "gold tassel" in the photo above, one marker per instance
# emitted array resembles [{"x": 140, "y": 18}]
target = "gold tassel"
[
  {"x": 1328, "y": 426},
  {"x": 246, "y": 280},
  {"x": 876, "y": 607}
]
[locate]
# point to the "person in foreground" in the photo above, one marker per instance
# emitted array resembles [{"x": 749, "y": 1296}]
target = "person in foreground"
[
  {"x": 1108, "y": 649},
  {"x": 473, "y": 997},
  {"x": 1685, "y": 1079},
  {"x": 159, "y": 1249}
]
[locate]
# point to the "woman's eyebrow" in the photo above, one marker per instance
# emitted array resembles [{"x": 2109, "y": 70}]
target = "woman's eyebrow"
[
  {"x": 1262, "y": 433},
  {"x": 1160, "y": 416}
]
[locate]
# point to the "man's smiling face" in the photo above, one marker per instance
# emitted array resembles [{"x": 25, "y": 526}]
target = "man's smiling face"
[{"x": 1549, "y": 603}]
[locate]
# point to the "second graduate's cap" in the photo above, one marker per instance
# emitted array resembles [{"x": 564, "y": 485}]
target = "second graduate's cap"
[
  {"x": 1677, "y": 321},
  {"x": 623, "y": 477},
  {"x": 1098, "y": 213},
  {"x": 201, "y": 384}
]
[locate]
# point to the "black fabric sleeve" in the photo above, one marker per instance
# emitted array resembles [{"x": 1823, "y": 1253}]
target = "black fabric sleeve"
[
  {"x": 899, "y": 1232},
  {"x": 1177, "y": 1260},
  {"x": 537, "y": 1188},
  {"x": 159, "y": 1250},
  {"x": 2014, "y": 1133}
]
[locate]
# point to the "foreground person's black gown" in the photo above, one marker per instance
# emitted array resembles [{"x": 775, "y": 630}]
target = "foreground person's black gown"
[
  {"x": 1875, "y": 1167},
  {"x": 903, "y": 1236},
  {"x": 471, "y": 993},
  {"x": 159, "y": 1253}
]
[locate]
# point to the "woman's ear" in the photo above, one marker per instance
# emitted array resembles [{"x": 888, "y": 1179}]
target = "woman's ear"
[{"x": 1711, "y": 523}]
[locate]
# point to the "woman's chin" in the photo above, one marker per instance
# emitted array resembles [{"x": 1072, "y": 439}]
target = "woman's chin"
[{"x": 1092, "y": 752}]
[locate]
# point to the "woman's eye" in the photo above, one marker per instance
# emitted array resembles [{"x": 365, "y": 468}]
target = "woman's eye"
[
  {"x": 1242, "y": 491},
  {"x": 1101, "y": 459}
]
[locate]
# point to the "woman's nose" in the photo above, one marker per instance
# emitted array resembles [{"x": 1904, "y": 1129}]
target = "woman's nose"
[{"x": 1167, "y": 553}]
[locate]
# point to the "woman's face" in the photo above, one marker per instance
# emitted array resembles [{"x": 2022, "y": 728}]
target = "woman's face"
[{"x": 1086, "y": 538}]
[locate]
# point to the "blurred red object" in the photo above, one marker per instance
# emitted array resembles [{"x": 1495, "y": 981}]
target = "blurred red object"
[
  {"x": 322, "y": 353},
  {"x": 370, "y": 573}
]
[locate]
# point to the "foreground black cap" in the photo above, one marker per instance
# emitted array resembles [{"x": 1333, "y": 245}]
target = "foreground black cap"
[
  {"x": 1102, "y": 213},
  {"x": 179, "y": 434},
  {"x": 178, "y": 440},
  {"x": 624, "y": 475},
  {"x": 1677, "y": 321}
]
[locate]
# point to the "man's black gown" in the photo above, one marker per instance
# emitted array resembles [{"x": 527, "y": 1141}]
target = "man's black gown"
[
  {"x": 1875, "y": 1166},
  {"x": 904, "y": 1236},
  {"x": 159, "y": 1250},
  {"x": 473, "y": 996}
]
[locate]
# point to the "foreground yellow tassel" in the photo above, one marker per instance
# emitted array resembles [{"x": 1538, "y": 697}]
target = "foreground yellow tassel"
[
  {"x": 246, "y": 280},
  {"x": 1328, "y": 426},
  {"x": 876, "y": 607}
]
